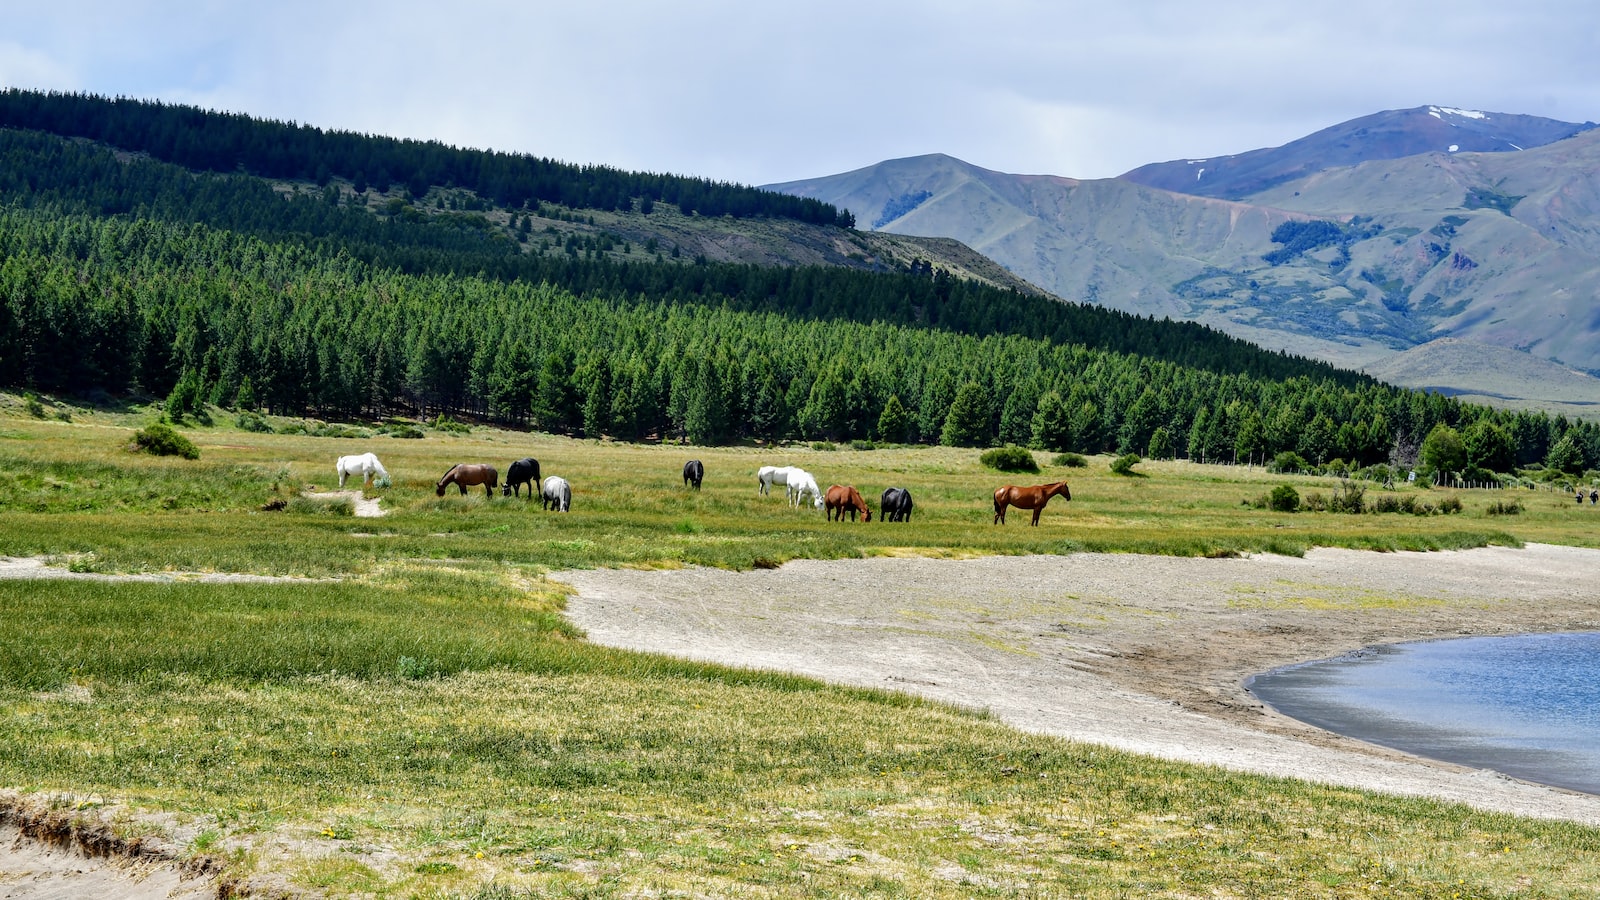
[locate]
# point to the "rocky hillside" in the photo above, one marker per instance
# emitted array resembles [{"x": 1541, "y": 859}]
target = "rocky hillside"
[{"x": 1352, "y": 264}]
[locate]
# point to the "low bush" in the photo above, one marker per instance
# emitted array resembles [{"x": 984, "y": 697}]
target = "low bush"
[
  {"x": 250, "y": 420},
  {"x": 1123, "y": 465},
  {"x": 1010, "y": 458},
  {"x": 1505, "y": 508},
  {"x": 159, "y": 439},
  {"x": 446, "y": 424},
  {"x": 1070, "y": 460},
  {"x": 31, "y": 403},
  {"x": 1351, "y": 497},
  {"x": 1284, "y": 498},
  {"x": 863, "y": 445},
  {"x": 402, "y": 430},
  {"x": 1315, "y": 501},
  {"x": 824, "y": 446}
]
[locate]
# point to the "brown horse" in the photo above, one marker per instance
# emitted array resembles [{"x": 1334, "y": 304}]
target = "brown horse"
[
  {"x": 464, "y": 474},
  {"x": 1033, "y": 498},
  {"x": 846, "y": 497}
]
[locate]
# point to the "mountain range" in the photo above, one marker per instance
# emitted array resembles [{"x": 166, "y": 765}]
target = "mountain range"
[{"x": 1434, "y": 225}]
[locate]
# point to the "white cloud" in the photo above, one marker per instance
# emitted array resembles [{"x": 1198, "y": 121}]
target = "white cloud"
[{"x": 759, "y": 92}]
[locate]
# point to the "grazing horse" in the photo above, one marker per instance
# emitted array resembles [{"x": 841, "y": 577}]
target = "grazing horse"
[
  {"x": 366, "y": 465},
  {"x": 1033, "y": 498},
  {"x": 463, "y": 475},
  {"x": 693, "y": 472},
  {"x": 524, "y": 471},
  {"x": 800, "y": 483},
  {"x": 896, "y": 505},
  {"x": 767, "y": 476},
  {"x": 846, "y": 497},
  {"x": 556, "y": 494}
]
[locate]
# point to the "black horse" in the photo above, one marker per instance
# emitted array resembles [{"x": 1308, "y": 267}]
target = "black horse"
[
  {"x": 693, "y": 471},
  {"x": 896, "y": 505},
  {"x": 524, "y": 471}
]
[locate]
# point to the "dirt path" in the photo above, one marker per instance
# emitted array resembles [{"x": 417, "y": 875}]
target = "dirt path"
[{"x": 1149, "y": 654}]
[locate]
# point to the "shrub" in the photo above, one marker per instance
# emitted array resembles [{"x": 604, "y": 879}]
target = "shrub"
[
  {"x": 1450, "y": 505},
  {"x": 1315, "y": 501},
  {"x": 1284, "y": 498},
  {"x": 447, "y": 424},
  {"x": 824, "y": 446},
  {"x": 402, "y": 430},
  {"x": 161, "y": 440},
  {"x": 339, "y": 431},
  {"x": 1010, "y": 458},
  {"x": 1351, "y": 497},
  {"x": 250, "y": 420},
  {"x": 1288, "y": 462},
  {"x": 862, "y": 445},
  {"x": 32, "y": 405},
  {"x": 1505, "y": 508},
  {"x": 1123, "y": 465},
  {"x": 1070, "y": 460}
]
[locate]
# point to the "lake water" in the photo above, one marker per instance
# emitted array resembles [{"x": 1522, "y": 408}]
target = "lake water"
[{"x": 1527, "y": 706}]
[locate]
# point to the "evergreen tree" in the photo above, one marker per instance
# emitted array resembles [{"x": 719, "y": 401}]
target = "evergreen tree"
[
  {"x": 1488, "y": 446},
  {"x": 1160, "y": 444},
  {"x": 967, "y": 424},
  {"x": 894, "y": 421},
  {"x": 1052, "y": 426}
]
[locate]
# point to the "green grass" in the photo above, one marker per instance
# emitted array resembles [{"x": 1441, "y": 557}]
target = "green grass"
[{"x": 425, "y": 723}]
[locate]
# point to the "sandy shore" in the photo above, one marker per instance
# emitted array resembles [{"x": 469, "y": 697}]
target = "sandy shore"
[{"x": 1144, "y": 653}]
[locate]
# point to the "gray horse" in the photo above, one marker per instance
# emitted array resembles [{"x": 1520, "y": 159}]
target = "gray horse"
[{"x": 556, "y": 494}]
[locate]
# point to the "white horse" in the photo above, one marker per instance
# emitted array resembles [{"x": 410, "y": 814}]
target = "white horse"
[
  {"x": 556, "y": 494},
  {"x": 767, "y": 476},
  {"x": 366, "y": 465},
  {"x": 800, "y": 483}
]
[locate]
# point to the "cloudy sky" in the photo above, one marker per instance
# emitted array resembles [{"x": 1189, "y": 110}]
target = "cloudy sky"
[{"x": 757, "y": 91}]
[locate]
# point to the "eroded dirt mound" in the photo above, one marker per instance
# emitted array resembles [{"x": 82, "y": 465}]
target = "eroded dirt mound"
[{"x": 49, "y": 852}]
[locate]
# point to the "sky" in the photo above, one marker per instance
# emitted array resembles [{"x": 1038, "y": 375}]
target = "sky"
[{"x": 758, "y": 92}]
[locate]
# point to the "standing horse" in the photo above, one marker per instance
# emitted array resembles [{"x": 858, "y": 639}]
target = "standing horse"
[
  {"x": 524, "y": 471},
  {"x": 556, "y": 494},
  {"x": 799, "y": 484},
  {"x": 895, "y": 505},
  {"x": 693, "y": 472},
  {"x": 846, "y": 497},
  {"x": 1033, "y": 498},
  {"x": 767, "y": 476},
  {"x": 365, "y": 464},
  {"x": 463, "y": 475}
]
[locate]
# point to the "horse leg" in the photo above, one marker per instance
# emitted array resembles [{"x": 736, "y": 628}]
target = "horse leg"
[
  {"x": 1036, "y": 512},
  {"x": 999, "y": 514}
]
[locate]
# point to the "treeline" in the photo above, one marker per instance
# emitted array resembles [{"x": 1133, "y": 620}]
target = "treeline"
[
  {"x": 207, "y": 140},
  {"x": 115, "y": 305},
  {"x": 52, "y": 175}
]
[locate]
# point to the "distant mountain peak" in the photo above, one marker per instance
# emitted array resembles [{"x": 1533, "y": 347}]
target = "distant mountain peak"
[{"x": 1391, "y": 134}]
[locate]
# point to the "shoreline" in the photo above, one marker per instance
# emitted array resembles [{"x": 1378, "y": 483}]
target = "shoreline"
[{"x": 1142, "y": 653}]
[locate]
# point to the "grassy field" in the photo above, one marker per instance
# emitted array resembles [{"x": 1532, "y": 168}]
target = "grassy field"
[{"x": 419, "y": 720}]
